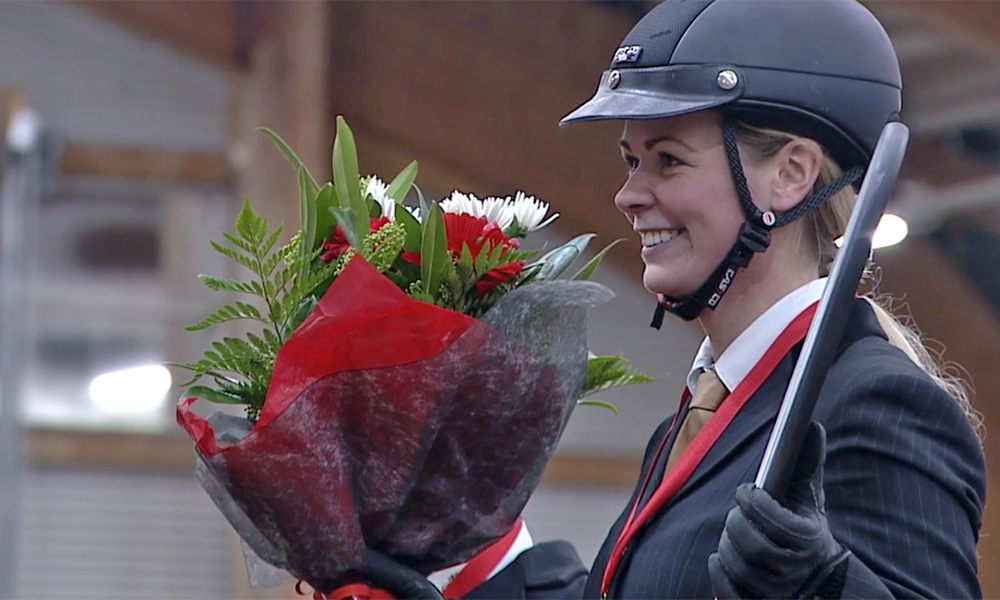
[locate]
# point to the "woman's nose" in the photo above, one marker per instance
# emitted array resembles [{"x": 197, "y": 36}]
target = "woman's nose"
[{"x": 633, "y": 197}]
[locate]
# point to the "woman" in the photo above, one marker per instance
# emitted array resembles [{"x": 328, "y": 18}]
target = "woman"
[{"x": 746, "y": 122}]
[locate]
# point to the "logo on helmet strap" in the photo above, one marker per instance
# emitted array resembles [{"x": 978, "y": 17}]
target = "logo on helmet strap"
[
  {"x": 727, "y": 279},
  {"x": 627, "y": 54}
]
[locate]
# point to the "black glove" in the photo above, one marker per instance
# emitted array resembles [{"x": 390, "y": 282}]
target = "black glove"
[
  {"x": 401, "y": 581},
  {"x": 772, "y": 551}
]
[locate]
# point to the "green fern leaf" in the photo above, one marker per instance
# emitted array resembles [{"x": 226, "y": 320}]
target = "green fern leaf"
[
  {"x": 239, "y": 243},
  {"x": 247, "y": 261},
  {"x": 225, "y": 314},
  {"x": 247, "y": 223},
  {"x": 231, "y": 285},
  {"x": 607, "y": 372},
  {"x": 599, "y": 403},
  {"x": 268, "y": 244},
  {"x": 212, "y": 395}
]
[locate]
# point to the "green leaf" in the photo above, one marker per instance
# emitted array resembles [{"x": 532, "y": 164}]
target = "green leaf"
[
  {"x": 359, "y": 212},
  {"x": 402, "y": 183},
  {"x": 412, "y": 227},
  {"x": 588, "y": 269},
  {"x": 272, "y": 339},
  {"x": 225, "y": 314},
  {"x": 231, "y": 285},
  {"x": 269, "y": 265},
  {"x": 272, "y": 239},
  {"x": 347, "y": 224},
  {"x": 246, "y": 222},
  {"x": 247, "y": 310},
  {"x": 599, "y": 403},
  {"x": 422, "y": 202},
  {"x": 326, "y": 221},
  {"x": 247, "y": 261},
  {"x": 261, "y": 344},
  {"x": 465, "y": 266},
  {"x": 289, "y": 155},
  {"x": 398, "y": 279},
  {"x": 347, "y": 179},
  {"x": 239, "y": 243},
  {"x": 211, "y": 395},
  {"x": 305, "y": 306},
  {"x": 557, "y": 261},
  {"x": 433, "y": 250},
  {"x": 374, "y": 208},
  {"x": 307, "y": 212},
  {"x": 606, "y": 372}
]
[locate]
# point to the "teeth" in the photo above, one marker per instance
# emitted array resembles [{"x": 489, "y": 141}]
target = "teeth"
[{"x": 652, "y": 238}]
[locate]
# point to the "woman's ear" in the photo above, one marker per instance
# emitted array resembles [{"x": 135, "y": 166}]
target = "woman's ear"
[{"x": 798, "y": 164}]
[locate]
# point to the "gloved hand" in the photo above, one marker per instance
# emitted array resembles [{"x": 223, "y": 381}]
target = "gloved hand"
[
  {"x": 404, "y": 583},
  {"x": 772, "y": 551}
]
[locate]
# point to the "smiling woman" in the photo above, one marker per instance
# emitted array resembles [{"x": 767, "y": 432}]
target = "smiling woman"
[{"x": 742, "y": 160}]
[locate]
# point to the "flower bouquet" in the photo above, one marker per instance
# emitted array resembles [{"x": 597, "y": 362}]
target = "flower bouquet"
[{"x": 411, "y": 375}]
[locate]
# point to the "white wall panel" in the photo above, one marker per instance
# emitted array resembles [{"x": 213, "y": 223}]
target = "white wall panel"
[
  {"x": 579, "y": 515},
  {"x": 109, "y": 535},
  {"x": 91, "y": 80}
]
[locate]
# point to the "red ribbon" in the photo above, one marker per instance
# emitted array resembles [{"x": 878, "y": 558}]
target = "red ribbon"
[
  {"x": 706, "y": 438},
  {"x": 472, "y": 575},
  {"x": 478, "y": 570}
]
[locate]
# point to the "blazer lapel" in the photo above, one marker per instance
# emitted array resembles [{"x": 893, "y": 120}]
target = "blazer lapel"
[
  {"x": 762, "y": 408},
  {"x": 758, "y": 413},
  {"x": 592, "y": 589}
]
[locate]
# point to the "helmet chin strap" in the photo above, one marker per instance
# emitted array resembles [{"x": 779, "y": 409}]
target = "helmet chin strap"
[{"x": 754, "y": 236}]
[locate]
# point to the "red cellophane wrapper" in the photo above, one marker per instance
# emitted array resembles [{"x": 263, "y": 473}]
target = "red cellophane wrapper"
[{"x": 391, "y": 423}]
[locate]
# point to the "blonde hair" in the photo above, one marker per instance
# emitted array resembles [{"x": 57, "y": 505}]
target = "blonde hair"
[{"x": 819, "y": 230}]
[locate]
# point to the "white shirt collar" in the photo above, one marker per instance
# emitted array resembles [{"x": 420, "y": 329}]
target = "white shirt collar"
[
  {"x": 749, "y": 347},
  {"x": 522, "y": 542}
]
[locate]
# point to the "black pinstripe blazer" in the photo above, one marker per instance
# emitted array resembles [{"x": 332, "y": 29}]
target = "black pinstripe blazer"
[
  {"x": 904, "y": 481},
  {"x": 551, "y": 570}
]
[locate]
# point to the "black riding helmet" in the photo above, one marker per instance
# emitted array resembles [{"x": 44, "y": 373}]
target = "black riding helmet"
[{"x": 823, "y": 69}]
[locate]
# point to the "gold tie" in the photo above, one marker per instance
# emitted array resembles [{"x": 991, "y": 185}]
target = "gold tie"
[{"x": 709, "y": 392}]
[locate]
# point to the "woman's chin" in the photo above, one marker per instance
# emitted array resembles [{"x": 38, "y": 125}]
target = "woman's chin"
[{"x": 659, "y": 280}]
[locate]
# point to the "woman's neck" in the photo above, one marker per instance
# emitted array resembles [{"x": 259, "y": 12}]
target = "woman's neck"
[{"x": 765, "y": 281}]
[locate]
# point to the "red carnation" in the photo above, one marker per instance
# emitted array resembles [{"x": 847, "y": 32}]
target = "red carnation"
[
  {"x": 494, "y": 277},
  {"x": 337, "y": 244},
  {"x": 476, "y": 233}
]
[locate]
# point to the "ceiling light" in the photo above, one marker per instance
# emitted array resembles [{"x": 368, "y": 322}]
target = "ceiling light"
[{"x": 891, "y": 230}]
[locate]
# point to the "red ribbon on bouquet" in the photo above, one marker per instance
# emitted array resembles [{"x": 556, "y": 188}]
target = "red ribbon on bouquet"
[{"x": 472, "y": 575}]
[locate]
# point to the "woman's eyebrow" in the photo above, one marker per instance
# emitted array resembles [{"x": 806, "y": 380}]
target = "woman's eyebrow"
[{"x": 649, "y": 143}]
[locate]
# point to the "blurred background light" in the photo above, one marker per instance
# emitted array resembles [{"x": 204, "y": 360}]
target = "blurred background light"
[
  {"x": 138, "y": 389},
  {"x": 892, "y": 229}
]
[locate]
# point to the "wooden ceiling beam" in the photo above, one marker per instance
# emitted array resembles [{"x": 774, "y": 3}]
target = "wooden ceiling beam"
[
  {"x": 205, "y": 29},
  {"x": 145, "y": 164},
  {"x": 476, "y": 99},
  {"x": 477, "y": 96},
  {"x": 976, "y": 20}
]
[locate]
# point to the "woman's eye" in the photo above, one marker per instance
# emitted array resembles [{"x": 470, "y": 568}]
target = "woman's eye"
[
  {"x": 632, "y": 162},
  {"x": 669, "y": 160}
]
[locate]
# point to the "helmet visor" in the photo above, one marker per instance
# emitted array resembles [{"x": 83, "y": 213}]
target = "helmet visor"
[{"x": 659, "y": 92}]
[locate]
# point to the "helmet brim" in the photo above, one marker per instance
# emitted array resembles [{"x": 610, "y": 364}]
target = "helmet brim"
[{"x": 656, "y": 93}]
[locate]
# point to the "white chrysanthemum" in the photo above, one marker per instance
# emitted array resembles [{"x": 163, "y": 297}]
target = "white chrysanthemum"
[
  {"x": 413, "y": 210},
  {"x": 462, "y": 204},
  {"x": 377, "y": 191},
  {"x": 499, "y": 211},
  {"x": 530, "y": 212}
]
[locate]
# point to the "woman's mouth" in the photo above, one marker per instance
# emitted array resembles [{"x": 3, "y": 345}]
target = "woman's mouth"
[{"x": 656, "y": 237}]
